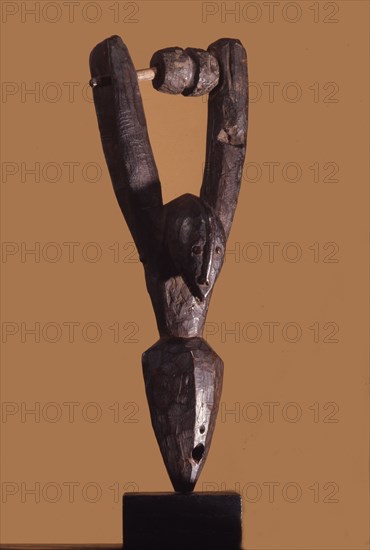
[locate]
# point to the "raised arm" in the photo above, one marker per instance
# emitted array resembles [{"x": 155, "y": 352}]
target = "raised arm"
[
  {"x": 226, "y": 131},
  {"x": 125, "y": 139}
]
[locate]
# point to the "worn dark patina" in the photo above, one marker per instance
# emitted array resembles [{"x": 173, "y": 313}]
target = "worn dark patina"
[{"x": 181, "y": 244}]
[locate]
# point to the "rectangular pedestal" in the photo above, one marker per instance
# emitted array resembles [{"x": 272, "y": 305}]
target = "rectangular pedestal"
[{"x": 182, "y": 521}]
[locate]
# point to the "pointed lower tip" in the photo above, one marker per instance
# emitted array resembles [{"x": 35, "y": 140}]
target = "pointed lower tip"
[{"x": 183, "y": 486}]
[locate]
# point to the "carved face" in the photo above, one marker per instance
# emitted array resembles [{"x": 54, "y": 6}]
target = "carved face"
[{"x": 195, "y": 241}]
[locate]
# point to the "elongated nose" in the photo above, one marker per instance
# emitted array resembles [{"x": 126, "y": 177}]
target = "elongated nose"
[{"x": 205, "y": 274}]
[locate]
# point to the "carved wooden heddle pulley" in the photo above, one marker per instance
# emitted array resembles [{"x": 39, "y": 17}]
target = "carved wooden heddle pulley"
[{"x": 182, "y": 243}]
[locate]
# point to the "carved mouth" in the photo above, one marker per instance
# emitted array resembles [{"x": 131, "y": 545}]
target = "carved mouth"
[{"x": 200, "y": 291}]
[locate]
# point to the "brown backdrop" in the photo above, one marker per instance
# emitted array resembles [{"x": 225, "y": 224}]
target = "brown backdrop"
[{"x": 289, "y": 312}]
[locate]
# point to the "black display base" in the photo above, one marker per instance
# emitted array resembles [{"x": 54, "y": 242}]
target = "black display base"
[{"x": 182, "y": 521}]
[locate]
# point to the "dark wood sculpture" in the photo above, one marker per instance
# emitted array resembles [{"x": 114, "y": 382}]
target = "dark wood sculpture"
[{"x": 181, "y": 244}]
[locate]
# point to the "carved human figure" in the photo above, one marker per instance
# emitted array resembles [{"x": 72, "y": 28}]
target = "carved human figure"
[{"x": 181, "y": 244}]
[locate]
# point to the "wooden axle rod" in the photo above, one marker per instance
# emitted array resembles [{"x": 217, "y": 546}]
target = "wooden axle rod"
[
  {"x": 191, "y": 72},
  {"x": 146, "y": 74}
]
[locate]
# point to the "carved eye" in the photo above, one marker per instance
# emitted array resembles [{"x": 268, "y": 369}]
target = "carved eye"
[
  {"x": 196, "y": 249},
  {"x": 218, "y": 250}
]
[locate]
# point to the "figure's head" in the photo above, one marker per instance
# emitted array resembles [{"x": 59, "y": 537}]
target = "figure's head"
[{"x": 196, "y": 242}]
